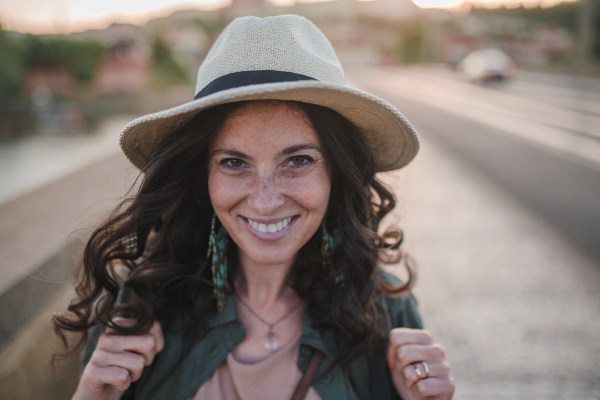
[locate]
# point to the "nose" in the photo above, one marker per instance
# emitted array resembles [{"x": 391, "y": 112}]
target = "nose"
[{"x": 266, "y": 196}]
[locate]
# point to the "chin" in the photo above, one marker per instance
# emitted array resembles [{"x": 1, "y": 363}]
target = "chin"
[{"x": 269, "y": 256}]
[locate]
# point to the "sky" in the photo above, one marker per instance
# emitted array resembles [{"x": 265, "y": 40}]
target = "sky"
[{"x": 64, "y": 16}]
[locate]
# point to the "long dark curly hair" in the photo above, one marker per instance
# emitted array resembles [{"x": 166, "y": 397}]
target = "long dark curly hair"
[{"x": 160, "y": 235}]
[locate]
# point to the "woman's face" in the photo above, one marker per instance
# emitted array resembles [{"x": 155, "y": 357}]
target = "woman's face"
[{"x": 269, "y": 182}]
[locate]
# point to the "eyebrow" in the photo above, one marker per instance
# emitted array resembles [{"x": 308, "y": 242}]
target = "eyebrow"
[
  {"x": 289, "y": 150},
  {"x": 231, "y": 153},
  {"x": 299, "y": 147}
]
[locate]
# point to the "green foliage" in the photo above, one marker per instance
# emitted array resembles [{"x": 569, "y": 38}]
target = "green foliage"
[
  {"x": 22, "y": 52},
  {"x": 79, "y": 57},
  {"x": 410, "y": 45},
  {"x": 212, "y": 27},
  {"x": 11, "y": 71},
  {"x": 165, "y": 69},
  {"x": 413, "y": 44},
  {"x": 565, "y": 15}
]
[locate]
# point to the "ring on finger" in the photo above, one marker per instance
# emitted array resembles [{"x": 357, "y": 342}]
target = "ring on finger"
[
  {"x": 417, "y": 371},
  {"x": 426, "y": 368},
  {"x": 420, "y": 374}
]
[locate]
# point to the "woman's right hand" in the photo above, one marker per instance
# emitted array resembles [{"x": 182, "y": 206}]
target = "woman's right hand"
[{"x": 117, "y": 361}]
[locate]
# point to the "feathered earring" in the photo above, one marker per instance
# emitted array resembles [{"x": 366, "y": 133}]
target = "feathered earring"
[
  {"x": 330, "y": 242},
  {"x": 217, "y": 246}
]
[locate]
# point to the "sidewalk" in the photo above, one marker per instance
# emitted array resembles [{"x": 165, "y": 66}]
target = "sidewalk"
[
  {"x": 39, "y": 160},
  {"x": 48, "y": 186},
  {"x": 515, "y": 305},
  {"x": 39, "y": 244}
]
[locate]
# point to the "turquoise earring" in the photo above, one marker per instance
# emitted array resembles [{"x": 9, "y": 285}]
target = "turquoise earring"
[
  {"x": 217, "y": 246},
  {"x": 330, "y": 242}
]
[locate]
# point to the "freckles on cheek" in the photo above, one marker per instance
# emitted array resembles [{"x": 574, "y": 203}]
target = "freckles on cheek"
[
  {"x": 311, "y": 191},
  {"x": 225, "y": 192}
]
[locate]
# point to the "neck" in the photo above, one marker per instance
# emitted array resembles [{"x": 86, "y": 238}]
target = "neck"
[
  {"x": 264, "y": 284},
  {"x": 269, "y": 309}
]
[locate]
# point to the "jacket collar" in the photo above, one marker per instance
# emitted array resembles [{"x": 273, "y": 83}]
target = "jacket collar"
[
  {"x": 214, "y": 318},
  {"x": 319, "y": 339},
  {"x": 189, "y": 362}
]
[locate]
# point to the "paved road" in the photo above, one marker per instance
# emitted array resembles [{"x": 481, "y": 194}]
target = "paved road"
[
  {"x": 47, "y": 188},
  {"x": 53, "y": 190},
  {"x": 31, "y": 163},
  {"x": 514, "y": 303},
  {"x": 547, "y": 156},
  {"x": 504, "y": 289},
  {"x": 570, "y": 92}
]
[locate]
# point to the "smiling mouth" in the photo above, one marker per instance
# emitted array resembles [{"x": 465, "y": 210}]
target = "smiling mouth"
[{"x": 269, "y": 228}]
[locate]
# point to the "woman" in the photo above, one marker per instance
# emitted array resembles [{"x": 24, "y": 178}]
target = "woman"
[{"x": 271, "y": 172}]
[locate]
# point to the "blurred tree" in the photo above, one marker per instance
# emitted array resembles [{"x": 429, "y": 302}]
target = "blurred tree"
[
  {"x": 413, "y": 44},
  {"x": 410, "y": 44},
  {"x": 79, "y": 57},
  {"x": 86, "y": 57},
  {"x": 20, "y": 53},
  {"x": 11, "y": 70},
  {"x": 212, "y": 27},
  {"x": 165, "y": 69},
  {"x": 566, "y": 15}
]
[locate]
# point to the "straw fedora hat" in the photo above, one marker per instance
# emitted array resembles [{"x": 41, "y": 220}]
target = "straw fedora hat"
[{"x": 278, "y": 58}]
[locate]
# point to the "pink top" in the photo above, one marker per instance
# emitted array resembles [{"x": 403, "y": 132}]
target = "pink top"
[{"x": 273, "y": 378}]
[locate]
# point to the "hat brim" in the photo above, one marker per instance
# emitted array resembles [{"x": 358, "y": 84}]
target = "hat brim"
[{"x": 393, "y": 140}]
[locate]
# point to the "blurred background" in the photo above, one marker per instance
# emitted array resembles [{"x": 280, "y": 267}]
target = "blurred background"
[{"x": 501, "y": 209}]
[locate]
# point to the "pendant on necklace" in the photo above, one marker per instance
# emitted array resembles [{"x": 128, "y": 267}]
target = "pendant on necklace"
[{"x": 271, "y": 343}]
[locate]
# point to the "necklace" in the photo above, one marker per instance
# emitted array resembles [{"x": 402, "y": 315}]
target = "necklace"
[{"x": 271, "y": 342}]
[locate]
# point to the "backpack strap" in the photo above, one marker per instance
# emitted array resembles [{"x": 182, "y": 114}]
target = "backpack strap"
[{"x": 307, "y": 377}]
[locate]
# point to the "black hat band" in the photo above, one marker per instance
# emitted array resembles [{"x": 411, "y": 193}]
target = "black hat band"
[{"x": 246, "y": 78}]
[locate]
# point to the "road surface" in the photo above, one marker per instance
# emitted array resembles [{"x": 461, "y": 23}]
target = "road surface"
[
  {"x": 547, "y": 156},
  {"x": 504, "y": 283}
]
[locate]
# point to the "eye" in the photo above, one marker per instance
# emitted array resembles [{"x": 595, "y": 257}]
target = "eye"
[
  {"x": 299, "y": 160},
  {"x": 233, "y": 162}
]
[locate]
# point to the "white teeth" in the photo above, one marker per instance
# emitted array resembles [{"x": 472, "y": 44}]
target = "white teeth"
[{"x": 271, "y": 228}]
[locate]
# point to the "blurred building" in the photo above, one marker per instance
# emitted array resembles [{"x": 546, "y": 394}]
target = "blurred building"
[
  {"x": 531, "y": 44},
  {"x": 125, "y": 68},
  {"x": 56, "y": 79}
]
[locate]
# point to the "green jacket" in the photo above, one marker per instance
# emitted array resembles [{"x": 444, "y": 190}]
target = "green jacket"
[{"x": 187, "y": 362}]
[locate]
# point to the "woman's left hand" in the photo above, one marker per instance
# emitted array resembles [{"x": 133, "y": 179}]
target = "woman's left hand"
[{"x": 408, "y": 352}]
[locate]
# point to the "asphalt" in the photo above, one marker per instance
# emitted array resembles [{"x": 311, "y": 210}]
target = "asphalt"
[
  {"x": 42, "y": 235},
  {"x": 498, "y": 225},
  {"x": 515, "y": 304},
  {"x": 553, "y": 179}
]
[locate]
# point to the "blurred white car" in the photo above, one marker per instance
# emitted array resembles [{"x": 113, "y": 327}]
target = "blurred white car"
[{"x": 487, "y": 65}]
